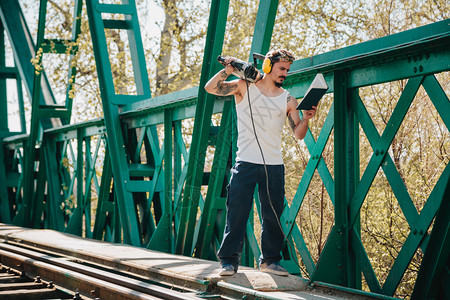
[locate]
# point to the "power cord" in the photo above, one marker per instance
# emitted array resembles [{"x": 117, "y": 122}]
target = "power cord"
[{"x": 267, "y": 176}]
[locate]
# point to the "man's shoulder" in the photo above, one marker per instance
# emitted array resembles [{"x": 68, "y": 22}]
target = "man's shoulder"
[{"x": 291, "y": 102}]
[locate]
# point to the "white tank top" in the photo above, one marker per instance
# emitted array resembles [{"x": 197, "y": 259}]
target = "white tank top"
[{"x": 269, "y": 116}]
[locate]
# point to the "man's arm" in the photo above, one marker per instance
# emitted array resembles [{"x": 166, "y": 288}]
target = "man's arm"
[
  {"x": 218, "y": 86},
  {"x": 299, "y": 126}
]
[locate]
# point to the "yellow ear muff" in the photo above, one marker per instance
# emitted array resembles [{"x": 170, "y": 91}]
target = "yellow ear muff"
[{"x": 267, "y": 65}]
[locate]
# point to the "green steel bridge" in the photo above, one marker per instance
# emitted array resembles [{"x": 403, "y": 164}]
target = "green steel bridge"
[{"x": 149, "y": 194}]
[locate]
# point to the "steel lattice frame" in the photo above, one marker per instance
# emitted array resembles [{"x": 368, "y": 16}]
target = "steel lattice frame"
[{"x": 148, "y": 193}]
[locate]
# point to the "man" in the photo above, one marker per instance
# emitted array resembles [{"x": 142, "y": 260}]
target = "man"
[{"x": 262, "y": 108}]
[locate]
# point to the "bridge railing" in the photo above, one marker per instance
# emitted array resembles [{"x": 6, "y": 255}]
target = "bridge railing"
[{"x": 76, "y": 190}]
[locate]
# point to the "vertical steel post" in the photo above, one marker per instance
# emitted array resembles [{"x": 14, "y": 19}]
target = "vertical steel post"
[
  {"x": 265, "y": 20},
  {"x": 341, "y": 176},
  {"x": 214, "y": 201},
  {"x": 335, "y": 264},
  {"x": 3, "y": 91},
  {"x": 4, "y": 201},
  {"x": 202, "y": 124},
  {"x": 124, "y": 186},
  {"x": 434, "y": 269},
  {"x": 168, "y": 186}
]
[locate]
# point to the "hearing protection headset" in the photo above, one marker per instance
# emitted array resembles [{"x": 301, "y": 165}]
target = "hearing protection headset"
[
  {"x": 269, "y": 61},
  {"x": 267, "y": 65}
]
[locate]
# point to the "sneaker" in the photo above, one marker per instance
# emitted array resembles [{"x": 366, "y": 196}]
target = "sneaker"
[
  {"x": 274, "y": 268},
  {"x": 227, "y": 270}
]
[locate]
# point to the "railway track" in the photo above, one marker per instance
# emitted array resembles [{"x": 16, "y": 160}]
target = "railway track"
[
  {"x": 46, "y": 264},
  {"x": 29, "y": 273}
]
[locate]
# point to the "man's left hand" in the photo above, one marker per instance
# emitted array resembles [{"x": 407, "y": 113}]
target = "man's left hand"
[{"x": 308, "y": 114}]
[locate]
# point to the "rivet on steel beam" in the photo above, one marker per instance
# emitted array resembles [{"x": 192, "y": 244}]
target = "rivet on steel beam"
[{"x": 420, "y": 68}]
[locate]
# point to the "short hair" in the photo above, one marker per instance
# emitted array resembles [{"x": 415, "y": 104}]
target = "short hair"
[{"x": 277, "y": 55}]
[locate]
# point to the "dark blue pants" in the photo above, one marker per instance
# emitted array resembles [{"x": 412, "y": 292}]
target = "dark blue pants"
[{"x": 244, "y": 177}]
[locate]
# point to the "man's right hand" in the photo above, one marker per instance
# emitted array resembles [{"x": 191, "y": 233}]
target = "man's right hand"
[{"x": 229, "y": 69}]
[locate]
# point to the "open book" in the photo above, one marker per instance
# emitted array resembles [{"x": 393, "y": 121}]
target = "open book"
[{"x": 315, "y": 92}]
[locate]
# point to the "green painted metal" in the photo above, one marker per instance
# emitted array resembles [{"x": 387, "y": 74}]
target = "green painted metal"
[
  {"x": 204, "y": 109},
  {"x": 21, "y": 41},
  {"x": 43, "y": 103},
  {"x": 25, "y": 215},
  {"x": 149, "y": 193},
  {"x": 262, "y": 34},
  {"x": 123, "y": 184},
  {"x": 4, "y": 205},
  {"x": 3, "y": 91},
  {"x": 434, "y": 271},
  {"x": 334, "y": 265},
  {"x": 215, "y": 199}
]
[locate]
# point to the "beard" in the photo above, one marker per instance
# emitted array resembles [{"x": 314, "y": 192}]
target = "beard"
[{"x": 278, "y": 84}]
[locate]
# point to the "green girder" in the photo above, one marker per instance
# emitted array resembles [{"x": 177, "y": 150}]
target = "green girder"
[{"x": 149, "y": 190}]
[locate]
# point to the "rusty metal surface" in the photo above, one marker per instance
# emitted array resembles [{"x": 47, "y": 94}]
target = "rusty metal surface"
[
  {"x": 88, "y": 281},
  {"x": 15, "y": 284}
]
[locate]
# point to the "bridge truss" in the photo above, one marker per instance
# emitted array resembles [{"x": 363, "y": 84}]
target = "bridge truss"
[{"x": 149, "y": 190}]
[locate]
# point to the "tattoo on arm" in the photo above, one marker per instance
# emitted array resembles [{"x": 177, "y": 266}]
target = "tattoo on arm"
[
  {"x": 225, "y": 88},
  {"x": 224, "y": 74},
  {"x": 291, "y": 122},
  {"x": 290, "y": 98},
  {"x": 290, "y": 119}
]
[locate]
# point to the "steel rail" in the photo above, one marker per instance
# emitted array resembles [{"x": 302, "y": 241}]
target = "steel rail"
[
  {"x": 87, "y": 280},
  {"x": 15, "y": 285}
]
